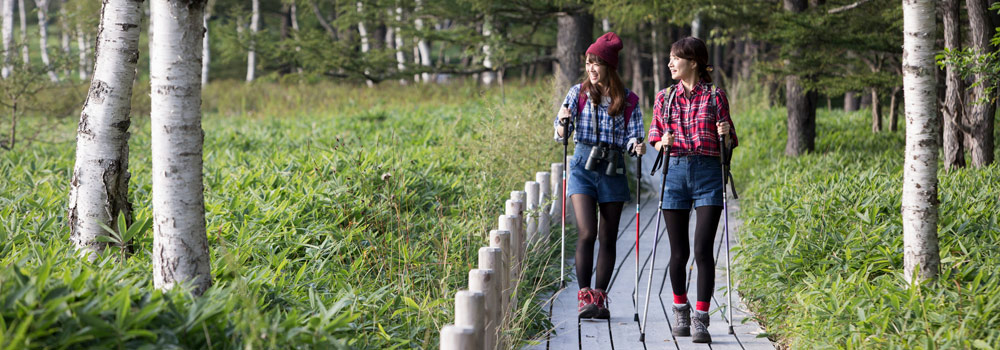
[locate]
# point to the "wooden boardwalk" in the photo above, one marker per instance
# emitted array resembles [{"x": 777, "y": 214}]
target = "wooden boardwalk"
[{"x": 621, "y": 331}]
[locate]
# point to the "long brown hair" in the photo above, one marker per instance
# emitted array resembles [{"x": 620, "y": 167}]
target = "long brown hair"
[
  {"x": 691, "y": 48},
  {"x": 613, "y": 85}
]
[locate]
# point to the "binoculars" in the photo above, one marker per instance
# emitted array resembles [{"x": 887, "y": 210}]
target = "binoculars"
[{"x": 604, "y": 158}]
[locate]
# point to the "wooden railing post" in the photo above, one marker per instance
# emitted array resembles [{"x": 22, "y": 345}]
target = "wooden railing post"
[
  {"x": 470, "y": 311},
  {"x": 485, "y": 280},
  {"x": 557, "y": 191},
  {"x": 544, "y": 204},
  {"x": 531, "y": 189},
  {"x": 457, "y": 338}
]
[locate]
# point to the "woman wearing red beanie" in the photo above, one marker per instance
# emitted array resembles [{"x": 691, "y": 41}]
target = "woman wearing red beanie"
[
  {"x": 607, "y": 122},
  {"x": 690, "y": 122}
]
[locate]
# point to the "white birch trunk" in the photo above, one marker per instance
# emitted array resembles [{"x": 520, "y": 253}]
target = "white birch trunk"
[
  {"x": 400, "y": 57},
  {"x": 43, "y": 37},
  {"x": 81, "y": 45},
  {"x": 252, "y": 55},
  {"x": 180, "y": 245},
  {"x": 64, "y": 35},
  {"x": 488, "y": 76},
  {"x": 99, "y": 186},
  {"x": 606, "y": 25},
  {"x": 920, "y": 189},
  {"x": 294, "y": 14},
  {"x": 422, "y": 47},
  {"x": 25, "y": 58},
  {"x": 365, "y": 47},
  {"x": 206, "y": 53},
  {"x": 8, "y": 36}
]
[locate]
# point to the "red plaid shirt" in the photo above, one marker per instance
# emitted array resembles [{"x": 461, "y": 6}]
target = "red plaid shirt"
[{"x": 691, "y": 120}]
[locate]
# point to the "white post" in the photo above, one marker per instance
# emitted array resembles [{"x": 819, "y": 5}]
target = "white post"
[
  {"x": 544, "y": 219},
  {"x": 531, "y": 188},
  {"x": 515, "y": 206},
  {"x": 509, "y": 223},
  {"x": 557, "y": 191},
  {"x": 470, "y": 311},
  {"x": 457, "y": 338},
  {"x": 485, "y": 280}
]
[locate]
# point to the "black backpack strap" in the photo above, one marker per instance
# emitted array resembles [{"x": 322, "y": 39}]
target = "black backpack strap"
[
  {"x": 666, "y": 107},
  {"x": 728, "y": 157}
]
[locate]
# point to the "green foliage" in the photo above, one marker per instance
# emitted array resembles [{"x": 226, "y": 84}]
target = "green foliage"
[
  {"x": 970, "y": 62},
  {"x": 349, "y": 222},
  {"x": 822, "y": 254}
]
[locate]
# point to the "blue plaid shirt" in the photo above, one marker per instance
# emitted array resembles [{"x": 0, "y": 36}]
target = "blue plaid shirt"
[{"x": 613, "y": 130}]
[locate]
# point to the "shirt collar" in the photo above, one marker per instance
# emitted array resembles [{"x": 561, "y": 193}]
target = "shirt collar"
[{"x": 698, "y": 89}]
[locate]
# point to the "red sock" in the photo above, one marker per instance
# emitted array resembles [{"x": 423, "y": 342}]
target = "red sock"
[
  {"x": 680, "y": 299},
  {"x": 701, "y": 306}
]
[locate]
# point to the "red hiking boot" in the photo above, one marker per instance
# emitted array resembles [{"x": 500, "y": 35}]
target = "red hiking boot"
[
  {"x": 601, "y": 300},
  {"x": 587, "y": 308}
]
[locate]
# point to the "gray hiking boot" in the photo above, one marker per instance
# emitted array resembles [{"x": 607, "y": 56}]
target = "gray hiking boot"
[
  {"x": 682, "y": 323},
  {"x": 700, "y": 324}
]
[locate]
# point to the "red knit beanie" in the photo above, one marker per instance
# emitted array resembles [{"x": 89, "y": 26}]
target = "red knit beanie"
[{"x": 606, "y": 47}]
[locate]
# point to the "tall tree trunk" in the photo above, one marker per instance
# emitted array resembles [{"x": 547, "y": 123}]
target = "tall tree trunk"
[
  {"x": 954, "y": 153},
  {"x": 488, "y": 76},
  {"x": 575, "y": 33},
  {"x": 64, "y": 35},
  {"x": 8, "y": 36},
  {"x": 876, "y": 110},
  {"x": 180, "y": 244},
  {"x": 893, "y": 110},
  {"x": 801, "y": 104},
  {"x": 400, "y": 56},
  {"x": 605, "y": 25},
  {"x": 323, "y": 22},
  {"x": 25, "y": 58},
  {"x": 657, "y": 55},
  {"x": 254, "y": 27},
  {"x": 851, "y": 101},
  {"x": 99, "y": 186},
  {"x": 696, "y": 27},
  {"x": 81, "y": 45},
  {"x": 635, "y": 56},
  {"x": 423, "y": 47},
  {"x": 365, "y": 46},
  {"x": 920, "y": 194},
  {"x": 206, "y": 52},
  {"x": 981, "y": 114},
  {"x": 43, "y": 37}
]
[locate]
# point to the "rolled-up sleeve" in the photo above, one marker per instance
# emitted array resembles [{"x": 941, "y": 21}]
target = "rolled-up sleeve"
[
  {"x": 657, "y": 126},
  {"x": 568, "y": 102}
]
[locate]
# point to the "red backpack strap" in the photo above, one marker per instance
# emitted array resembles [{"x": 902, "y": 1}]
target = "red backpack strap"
[{"x": 633, "y": 102}]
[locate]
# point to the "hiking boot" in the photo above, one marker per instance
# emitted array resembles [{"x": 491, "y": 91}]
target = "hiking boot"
[
  {"x": 586, "y": 308},
  {"x": 601, "y": 300},
  {"x": 700, "y": 324},
  {"x": 682, "y": 323}
]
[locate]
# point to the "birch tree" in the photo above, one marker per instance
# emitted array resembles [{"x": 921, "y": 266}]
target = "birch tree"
[
  {"x": 400, "y": 57},
  {"x": 489, "y": 75},
  {"x": 64, "y": 35},
  {"x": 252, "y": 55},
  {"x": 99, "y": 186},
  {"x": 423, "y": 48},
  {"x": 81, "y": 45},
  {"x": 180, "y": 244},
  {"x": 206, "y": 54},
  {"x": 363, "y": 31},
  {"x": 920, "y": 194},
  {"x": 8, "y": 36},
  {"x": 954, "y": 153},
  {"x": 43, "y": 37},
  {"x": 23, "y": 20}
]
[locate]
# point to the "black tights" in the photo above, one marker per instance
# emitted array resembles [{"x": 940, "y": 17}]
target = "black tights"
[
  {"x": 584, "y": 207},
  {"x": 704, "y": 237}
]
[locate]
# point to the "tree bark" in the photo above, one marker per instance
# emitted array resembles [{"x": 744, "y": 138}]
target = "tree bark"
[
  {"x": 893, "y": 110},
  {"x": 981, "y": 112},
  {"x": 252, "y": 53},
  {"x": 206, "y": 52},
  {"x": 851, "y": 101},
  {"x": 800, "y": 104},
  {"x": 920, "y": 191},
  {"x": 954, "y": 152},
  {"x": 99, "y": 186},
  {"x": 8, "y": 36},
  {"x": 657, "y": 69},
  {"x": 25, "y": 58},
  {"x": 64, "y": 35},
  {"x": 43, "y": 37},
  {"x": 488, "y": 76},
  {"x": 575, "y": 33},
  {"x": 365, "y": 46},
  {"x": 400, "y": 56},
  {"x": 876, "y": 110},
  {"x": 423, "y": 47},
  {"x": 180, "y": 244},
  {"x": 635, "y": 56}
]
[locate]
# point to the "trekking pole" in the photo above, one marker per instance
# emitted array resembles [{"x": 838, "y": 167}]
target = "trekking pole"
[
  {"x": 638, "y": 199},
  {"x": 656, "y": 238},
  {"x": 725, "y": 213},
  {"x": 562, "y": 261}
]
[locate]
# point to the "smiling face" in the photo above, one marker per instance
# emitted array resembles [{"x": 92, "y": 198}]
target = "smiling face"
[
  {"x": 681, "y": 68},
  {"x": 596, "y": 71}
]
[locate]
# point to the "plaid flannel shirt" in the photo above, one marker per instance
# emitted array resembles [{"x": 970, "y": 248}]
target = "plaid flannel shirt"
[
  {"x": 613, "y": 130},
  {"x": 691, "y": 120}
]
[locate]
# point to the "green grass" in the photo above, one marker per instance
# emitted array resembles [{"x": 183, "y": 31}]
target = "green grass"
[
  {"x": 311, "y": 247},
  {"x": 822, "y": 254}
]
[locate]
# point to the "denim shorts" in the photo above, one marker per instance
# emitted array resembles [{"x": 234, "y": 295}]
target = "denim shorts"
[
  {"x": 693, "y": 180},
  {"x": 595, "y": 183}
]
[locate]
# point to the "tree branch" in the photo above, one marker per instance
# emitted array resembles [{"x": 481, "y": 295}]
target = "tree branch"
[{"x": 847, "y": 7}]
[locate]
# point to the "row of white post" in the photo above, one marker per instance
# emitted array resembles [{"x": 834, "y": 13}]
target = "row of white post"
[{"x": 485, "y": 310}]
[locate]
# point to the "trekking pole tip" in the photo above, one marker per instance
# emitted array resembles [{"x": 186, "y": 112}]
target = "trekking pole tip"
[
  {"x": 731, "y": 330},
  {"x": 642, "y": 337},
  {"x": 636, "y": 317}
]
